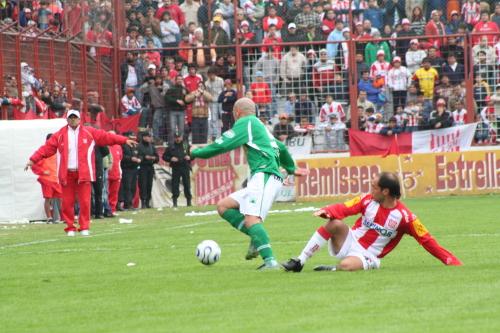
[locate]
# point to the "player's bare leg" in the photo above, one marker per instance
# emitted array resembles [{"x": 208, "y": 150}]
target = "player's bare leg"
[
  {"x": 48, "y": 212},
  {"x": 334, "y": 230},
  {"x": 225, "y": 204}
]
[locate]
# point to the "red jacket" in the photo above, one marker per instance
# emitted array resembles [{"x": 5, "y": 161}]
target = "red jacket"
[
  {"x": 175, "y": 12},
  {"x": 191, "y": 82},
  {"x": 272, "y": 45},
  {"x": 279, "y": 24},
  {"x": 115, "y": 172},
  {"x": 432, "y": 29},
  {"x": 88, "y": 137},
  {"x": 261, "y": 93},
  {"x": 47, "y": 164}
]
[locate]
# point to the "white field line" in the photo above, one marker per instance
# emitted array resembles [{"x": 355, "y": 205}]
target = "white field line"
[
  {"x": 282, "y": 211},
  {"x": 198, "y": 224},
  {"x": 96, "y": 235}
]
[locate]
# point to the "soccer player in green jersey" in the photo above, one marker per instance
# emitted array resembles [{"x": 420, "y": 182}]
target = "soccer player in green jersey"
[{"x": 247, "y": 208}]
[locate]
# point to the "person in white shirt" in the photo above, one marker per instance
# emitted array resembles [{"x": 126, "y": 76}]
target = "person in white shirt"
[
  {"x": 398, "y": 81},
  {"x": 214, "y": 86},
  {"x": 334, "y": 132},
  {"x": 411, "y": 116},
  {"x": 169, "y": 31},
  {"x": 292, "y": 68},
  {"x": 330, "y": 107},
  {"x": 414, "y": 56},
  {"x": 129, "y": 103},
  {"x": 459, "y": 114},
  {"x": 374, "y": 124}
]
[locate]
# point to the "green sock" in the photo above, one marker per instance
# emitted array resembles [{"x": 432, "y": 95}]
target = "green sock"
[
  {"x": 236, "y": 219},
  {"x": 260, "y": 239}
]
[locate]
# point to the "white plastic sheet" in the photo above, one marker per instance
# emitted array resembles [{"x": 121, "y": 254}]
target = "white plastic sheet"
[{"x": 20, "y": 193}]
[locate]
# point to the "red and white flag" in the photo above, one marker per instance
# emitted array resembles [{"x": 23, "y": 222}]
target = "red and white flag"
[{"x": 457, "y": 138}]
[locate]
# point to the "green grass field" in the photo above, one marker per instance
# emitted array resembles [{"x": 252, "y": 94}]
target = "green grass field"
[{"x": 51, "y": 283}]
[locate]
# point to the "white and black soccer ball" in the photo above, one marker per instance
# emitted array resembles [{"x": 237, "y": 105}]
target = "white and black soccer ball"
[{"x": 208, "y": 252}]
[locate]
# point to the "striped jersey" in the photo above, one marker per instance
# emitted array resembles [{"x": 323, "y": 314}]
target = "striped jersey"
[
  {"x": 328, "y": 109},
  {"x": 380, "y": 229},
  {"x": 471, "y": 12},
  {"x": 459, "y": 116}
]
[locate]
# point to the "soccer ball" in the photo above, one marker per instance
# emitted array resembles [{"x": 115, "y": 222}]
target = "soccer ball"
[{"x": 208, "y": 252}]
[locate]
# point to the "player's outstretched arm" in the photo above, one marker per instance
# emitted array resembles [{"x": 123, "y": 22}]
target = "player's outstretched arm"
[
  {"x": 231, "y": 139},
  {"x": 343, "y": 210},
  {"x": 424, "y": 238}
]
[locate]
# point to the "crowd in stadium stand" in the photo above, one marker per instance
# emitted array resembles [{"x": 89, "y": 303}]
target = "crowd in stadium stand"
[{"x": 405, "y": 82}]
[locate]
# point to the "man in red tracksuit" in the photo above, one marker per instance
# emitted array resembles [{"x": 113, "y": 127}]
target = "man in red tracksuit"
[
  {"x": 114, "y": 176},
  {"x": 74, "y": 145}
]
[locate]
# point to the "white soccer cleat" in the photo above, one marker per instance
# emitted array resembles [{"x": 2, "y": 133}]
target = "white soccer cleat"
[
  {"x": 85, "y": 233},
  {"x": 70, "y": 234}
]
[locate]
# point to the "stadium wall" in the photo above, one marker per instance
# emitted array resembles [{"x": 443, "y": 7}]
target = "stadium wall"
[{"x": 338, "y": 176}]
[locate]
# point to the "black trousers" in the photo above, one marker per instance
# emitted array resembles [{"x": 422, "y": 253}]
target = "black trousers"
[
  {"x": 177, "y": 174},
  {"x": 146, "y": 173},
  {"x": 227, "y": 121},
  {"x": 129, "y": 185},
  {"x": 398, "y": 99},
  {"x": 199, "y": 130},
  {"x": 97, "y": 196}
]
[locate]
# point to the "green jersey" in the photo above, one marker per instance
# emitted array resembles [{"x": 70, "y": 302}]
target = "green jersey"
[{"x": 264, "y": 153}]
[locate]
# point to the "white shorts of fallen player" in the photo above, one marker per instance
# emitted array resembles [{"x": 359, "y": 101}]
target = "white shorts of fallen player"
[
  {"x": 351, "y": 248},
  {"x": 257, "y": 198}
]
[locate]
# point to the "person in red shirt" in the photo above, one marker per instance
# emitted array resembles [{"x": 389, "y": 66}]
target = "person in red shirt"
[
  {"x": 74, "y": 145},
  {"x": 114, "y": 176},
  {"x": 435, "y": 28},
  {"x": 328, "y": 23},
  {"x": 46, "y": 169},
  {"x": 261, "y": 93},
  {"x": 272, "y": 43},
  {"x": 489, "y": 28},
  {"x": 383, "y": 222},
  {"x": 175, "y": 12},
  {"x": 191, "y": 83},
  {"x": 98, "y": 35},
  {"x": 271, "y": 19}
]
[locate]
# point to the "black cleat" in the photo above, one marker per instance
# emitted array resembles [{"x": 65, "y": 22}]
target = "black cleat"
[
  {"x": 325, "y": 268},
  {"x": 293, "y": 265}
]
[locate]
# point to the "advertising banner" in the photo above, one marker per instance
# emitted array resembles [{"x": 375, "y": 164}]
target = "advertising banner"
[{"x": 433, "y": 174}]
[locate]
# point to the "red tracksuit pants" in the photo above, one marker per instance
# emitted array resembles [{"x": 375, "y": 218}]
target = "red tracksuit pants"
[
  {"x": 113, "y": 190},
  {"x": 76, "y": 191}
]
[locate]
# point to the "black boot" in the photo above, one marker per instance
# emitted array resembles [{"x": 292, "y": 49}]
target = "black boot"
[
  {"x": 189, "y": 202},
  {"x": 174, "y": 201},
  {"x": 148, "y": 205},
  {"x": 143, "y": 204}
]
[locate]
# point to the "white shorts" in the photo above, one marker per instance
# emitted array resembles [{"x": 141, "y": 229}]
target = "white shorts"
[
  {"x": 257, "y": 198},
  {"x": 351, "y": 248}
]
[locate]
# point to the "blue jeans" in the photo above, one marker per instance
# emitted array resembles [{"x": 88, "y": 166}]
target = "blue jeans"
[
  {"x": 214, "y": 125},
  {"x": 160, "y": 124},
  {"x": 144, "y": 120},
  {"x": 274, "y": 105},
  {"x": 176, "y": 124},
  {"x": 105, "y": 203}
]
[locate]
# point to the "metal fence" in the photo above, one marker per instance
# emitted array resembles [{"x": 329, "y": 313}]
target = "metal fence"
[{"x": 305, "y": 81}]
